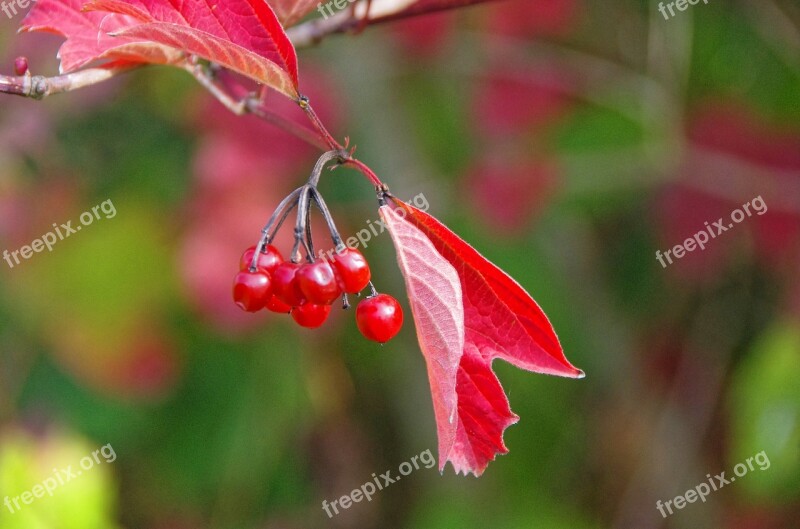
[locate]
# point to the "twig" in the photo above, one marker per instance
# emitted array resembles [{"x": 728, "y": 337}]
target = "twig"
[
  {"x": 366, "y": 13},
  {"x": 39, "y": 86},
  {"x": 251, "y": 104}
]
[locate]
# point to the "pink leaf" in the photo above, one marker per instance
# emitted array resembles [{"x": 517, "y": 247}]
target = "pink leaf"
[
  {"x": 243, "y": 35},
  {"x": 87, "y": 38},
  {"x": 434, "y": 292},
  {"x": 501, "y": 320}
]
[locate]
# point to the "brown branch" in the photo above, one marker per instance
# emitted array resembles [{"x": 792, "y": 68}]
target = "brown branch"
[
  {"x": 39, "y": 86},
  {"x": 312, "y": 32}
]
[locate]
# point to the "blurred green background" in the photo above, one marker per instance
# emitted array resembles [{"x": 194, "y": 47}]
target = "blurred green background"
[{"x": 566, "y": 140}]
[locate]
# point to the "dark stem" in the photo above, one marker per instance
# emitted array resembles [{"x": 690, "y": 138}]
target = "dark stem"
[
  {"x": 339, "y": 154},
  {"x": 303, "y": 204},
  {"x": 323, "y": 207},
  {"x": 274, "y": 224}
]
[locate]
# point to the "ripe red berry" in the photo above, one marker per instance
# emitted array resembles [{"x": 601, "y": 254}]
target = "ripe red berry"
[
  {"x": 352, "y": 270},
  {"x": 20, "y": 66},
  {"x": 311, "y": 315},
  {"x": 379, "y": 318},
  {"x": 251, "y": 290},
  {"x": 276, "y": 305},
  {"x": 286, "y": 287},
  {"x": 318, "y": 283},
  {"x": 268, "y": 260}
]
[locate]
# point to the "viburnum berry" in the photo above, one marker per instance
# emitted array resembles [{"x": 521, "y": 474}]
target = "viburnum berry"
[
  {"x": 285, "y": 284},
  {"x": 318, "y": 283},
  {"x": 251, "y": 290},
  {"x": 352, "y": 270},
  {"x": 311, "y": 315},
  {"x": 20, "y": 65},
  {"x": 276, "y": 305},
  {"x": 379, "y": 318},
  {"x": 268, "y": 260}
]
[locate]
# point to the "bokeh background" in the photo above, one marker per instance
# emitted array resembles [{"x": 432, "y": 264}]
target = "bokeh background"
[{"x": 567, "y": 140}]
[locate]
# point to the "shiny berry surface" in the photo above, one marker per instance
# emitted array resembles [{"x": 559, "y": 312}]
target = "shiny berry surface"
[
  {"x": 251, "y": 290},
  {"x": 268, "y": 260},
  {"x": 285, "y": 284},
  {"x": 311, "y": 315},
  {"x": 276, "y": 305},
  {"x": 352, "y": 270},
  {"x": 379, "y": 318},
  {"x": 318, "y": 283}
]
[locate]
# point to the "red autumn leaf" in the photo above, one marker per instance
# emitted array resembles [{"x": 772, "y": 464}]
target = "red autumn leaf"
[
  {"x": 87, "y": 35},
  {"x": 243, "y": 35},
  {"x": 501, "y": 320},
  {"x": 434, "y": 292},
  {"x": 292, "y": 11}
]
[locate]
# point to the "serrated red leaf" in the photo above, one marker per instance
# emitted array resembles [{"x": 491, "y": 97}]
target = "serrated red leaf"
[
  {"x": 243, "y": 35},
  {"x": 501, "y": 320},
  {"x": 434, "y": 292},
  {"x": 87, "y": 35}
]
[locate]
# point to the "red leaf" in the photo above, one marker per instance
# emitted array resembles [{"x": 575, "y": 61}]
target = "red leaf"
[
  {"x": 434, "y": 292},
  {"x": 87, "y": 38},
  {"x": 501, "y": 320},
  {"x": 243, "y": 35}
]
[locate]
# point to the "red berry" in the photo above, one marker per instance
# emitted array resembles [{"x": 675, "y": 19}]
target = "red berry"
[
  {"x": 20, "y": 66},
  {"x": 311, "y": 315},
  {"x": 268, "y": 260},
  {"x": 276, "y": 305},
  {"x": 352, "y": 270},
  {"x": 379, "y": 318},
  {"x": 251, "y": 290},
  {"x": 286, "y": 287},
  {"x": 318, "y": 283}
]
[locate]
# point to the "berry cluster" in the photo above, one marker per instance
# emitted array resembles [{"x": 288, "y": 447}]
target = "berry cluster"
[{"x": 308, "y": 290}]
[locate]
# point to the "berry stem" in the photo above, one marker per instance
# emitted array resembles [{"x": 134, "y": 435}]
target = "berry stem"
[
  {"x": 340, "y": 155},
  {"x": 275, "y": 222},
  {"x": 303, "y": 204},
  {"x": 326, "y": 213},
  {"x": 373, "y": 292}
]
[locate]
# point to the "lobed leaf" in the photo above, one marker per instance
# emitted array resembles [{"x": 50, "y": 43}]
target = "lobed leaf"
[
  {"x": 500, "y": 320},
  {"x": 434, "y": 292}
]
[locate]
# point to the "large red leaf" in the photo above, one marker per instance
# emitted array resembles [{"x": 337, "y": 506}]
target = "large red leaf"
[
  {"x": 243, "y": 35},
  {"x": 434, "y": 292},
  {"x": 501, "y": 320},
  {"x": 86, "y": 35}
]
